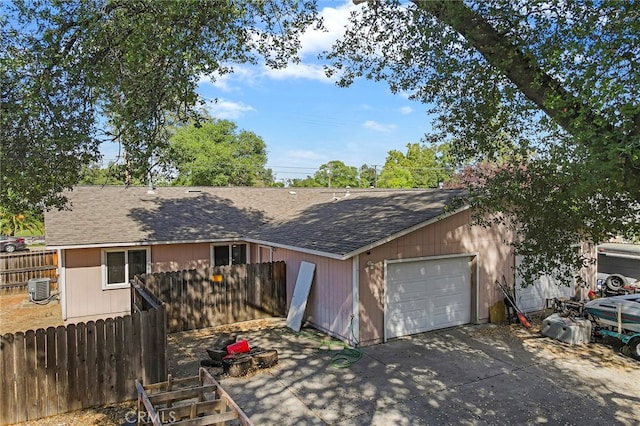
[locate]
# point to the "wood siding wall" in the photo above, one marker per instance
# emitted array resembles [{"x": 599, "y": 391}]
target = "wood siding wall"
[
  {"x": 87, "y": 300},
  {"x": 16, "y": 269},
  {"x": 46, "y": 372},
  {"x": 194, "y": 299},
  {"x": 451, "y": 235},
  {"x": 330, "y": 303}
]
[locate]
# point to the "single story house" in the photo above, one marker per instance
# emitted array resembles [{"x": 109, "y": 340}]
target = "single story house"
[{"x": 388, "y": 262}]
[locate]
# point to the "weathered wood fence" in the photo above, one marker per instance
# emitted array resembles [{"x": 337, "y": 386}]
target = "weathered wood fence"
[
  {"x": 46, "y": 372},
  {"x": 221, "y": 295},
  {"x": 16, "y": 269}
]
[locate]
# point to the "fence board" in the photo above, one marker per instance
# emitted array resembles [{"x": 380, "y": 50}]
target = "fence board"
[
  {"x": 92, "y": 364},
  {"x": 30, "y": 375},
  {"x": 110, "y": 361},
  {"x": 41, "y": 373},
  {"x": 194, "y": 300},
  {"x": 72, "y": 369},
  {"x": 119, "y": 357},
  {"x": 16, "y": 269},
  {"x": 101, "y": 354},
  {"x": 136, "y": 336},
  {"x": 52, "y": 393},
  {"x": 6, "y": 346},
  {"x": 62, "y": 378},
  {"x": 20, "y": 382},
  {"x": 127, "y": 358},
  {"x": 81, "y": 365}
]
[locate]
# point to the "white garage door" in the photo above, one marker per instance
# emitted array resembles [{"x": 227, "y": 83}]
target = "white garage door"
[{"x": 427, "y": 295}]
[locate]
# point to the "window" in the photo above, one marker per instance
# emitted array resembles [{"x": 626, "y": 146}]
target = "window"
[
  {"x": 232, "y": 254},
  {"x": 120, "y": 266}
]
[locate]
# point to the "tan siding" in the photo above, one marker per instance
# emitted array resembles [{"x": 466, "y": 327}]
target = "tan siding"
[
  {"x": 176, "y": 257},
  {"x": 83, "y": 286},
  {"x": 85, "y": 296},
  {"x": 449, "y": 236},
  {"x": 329, "y": 306}
]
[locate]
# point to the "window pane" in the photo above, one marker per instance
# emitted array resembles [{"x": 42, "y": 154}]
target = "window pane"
[
  {"x": 115, "y": 267},
  {"x": 220, "y": 255},
  {"x": 137, "y": 263},
  {"x": 238, "y": 254}
]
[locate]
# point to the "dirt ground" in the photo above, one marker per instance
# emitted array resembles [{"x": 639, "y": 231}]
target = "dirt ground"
[
  {"x": 17, "y": 313},
  {"x": 607, "y": 352}
]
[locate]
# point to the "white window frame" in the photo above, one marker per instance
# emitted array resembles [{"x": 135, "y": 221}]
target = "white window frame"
[
  {"x": 260, "y": 259},
  {"x": 105, "y": 285},
  {"x": 212, "y": 258}
]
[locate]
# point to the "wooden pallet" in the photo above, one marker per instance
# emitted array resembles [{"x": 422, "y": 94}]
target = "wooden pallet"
[{"x": 191, "y": 401}]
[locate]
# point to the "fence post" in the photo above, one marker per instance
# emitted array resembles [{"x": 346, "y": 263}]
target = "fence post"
[{"x": 7, "y": 372}]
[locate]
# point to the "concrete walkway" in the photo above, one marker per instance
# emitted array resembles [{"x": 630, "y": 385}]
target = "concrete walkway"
[{"x": 471, "y": 375}]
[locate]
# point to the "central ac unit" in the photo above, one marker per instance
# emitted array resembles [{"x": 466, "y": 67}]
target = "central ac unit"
[{"x": 39, "y": 288}]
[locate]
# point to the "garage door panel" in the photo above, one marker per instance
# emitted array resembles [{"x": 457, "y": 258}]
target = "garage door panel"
[{"x": 427, "y": 295}]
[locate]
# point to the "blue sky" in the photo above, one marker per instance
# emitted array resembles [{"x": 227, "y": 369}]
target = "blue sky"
[{"x": 305, "y": 119}]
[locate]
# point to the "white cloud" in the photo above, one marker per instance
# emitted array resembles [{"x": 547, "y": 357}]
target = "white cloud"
[
  {"x": 307, "y": 71},
  {"x": 406, "y": 110},
  {"x": 378, "y": 127},
  {"x": 229, "y": 82},
  {"x": 335, "y": 19},
  {"x": 224, "y": 109}
]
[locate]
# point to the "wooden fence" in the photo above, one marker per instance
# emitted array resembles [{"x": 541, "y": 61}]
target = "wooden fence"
[
  {"x": 46, "y": 372},
  {"x": 16, "y": 269},
  {"x": 221, "y": 295}
]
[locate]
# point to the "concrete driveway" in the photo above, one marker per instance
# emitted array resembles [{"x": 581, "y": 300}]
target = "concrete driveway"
[{"x": 470, "y": 375}]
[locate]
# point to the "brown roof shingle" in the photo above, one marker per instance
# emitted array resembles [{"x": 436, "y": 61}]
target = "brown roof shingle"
[{"x": 333, "y": 221}]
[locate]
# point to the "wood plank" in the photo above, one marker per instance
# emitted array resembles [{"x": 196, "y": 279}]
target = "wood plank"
[
  {"x": 179, "y": 394},
  {"x": 7, "y": 371},
  {"x": 30, "y": 375},
  {"x": 164, "y": 386},
  {"x": 41, "y": 374},
  {"x": 208, "y": 378},
  {"x": 110, "y": 361},
  {"x": 62, "y": 378},
  {"x": 92, "y": 365},
  {"x": 161, "y": 343},
  {"x": 127, "y": 358},
  {"x": 74, "y": 399},
  {"x": 101, "y": 394},
  {"x": 120, "y": 361},
  {"x": 81, "y": 366},
  {"x": 52, "y": 388},
  {"x": 197, "y": 409},
  {"x": 151, "y": 411},
  {"x": 144, "y": 349},
  {"x": 212, "y": 419},
  {"x": 20, "y": 363},
  {"x": 136, "y": 348}
]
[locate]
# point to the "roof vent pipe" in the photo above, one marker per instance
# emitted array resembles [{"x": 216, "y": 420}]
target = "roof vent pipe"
[{"x": 150, "y": 189}]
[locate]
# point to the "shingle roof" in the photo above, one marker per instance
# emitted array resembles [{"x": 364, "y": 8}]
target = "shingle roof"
[{"x": 332, "y": 221}]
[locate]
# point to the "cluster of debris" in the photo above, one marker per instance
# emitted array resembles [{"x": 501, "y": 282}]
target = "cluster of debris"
[{"x": 237, "y": 358}]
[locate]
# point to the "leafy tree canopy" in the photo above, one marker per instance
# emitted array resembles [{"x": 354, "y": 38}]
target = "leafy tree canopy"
[
  {"x": 549, "y": 88},
  {"x": 334, "y": 174},
  {"x": 65, "y": 65},
  {"x": 421, "y": 167},
  {"x": 215, "y": 153}
]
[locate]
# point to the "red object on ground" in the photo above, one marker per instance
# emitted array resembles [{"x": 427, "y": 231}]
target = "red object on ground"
[
  {"x": 238, "y": 348},
  {"x": 592, "y": 294}
]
